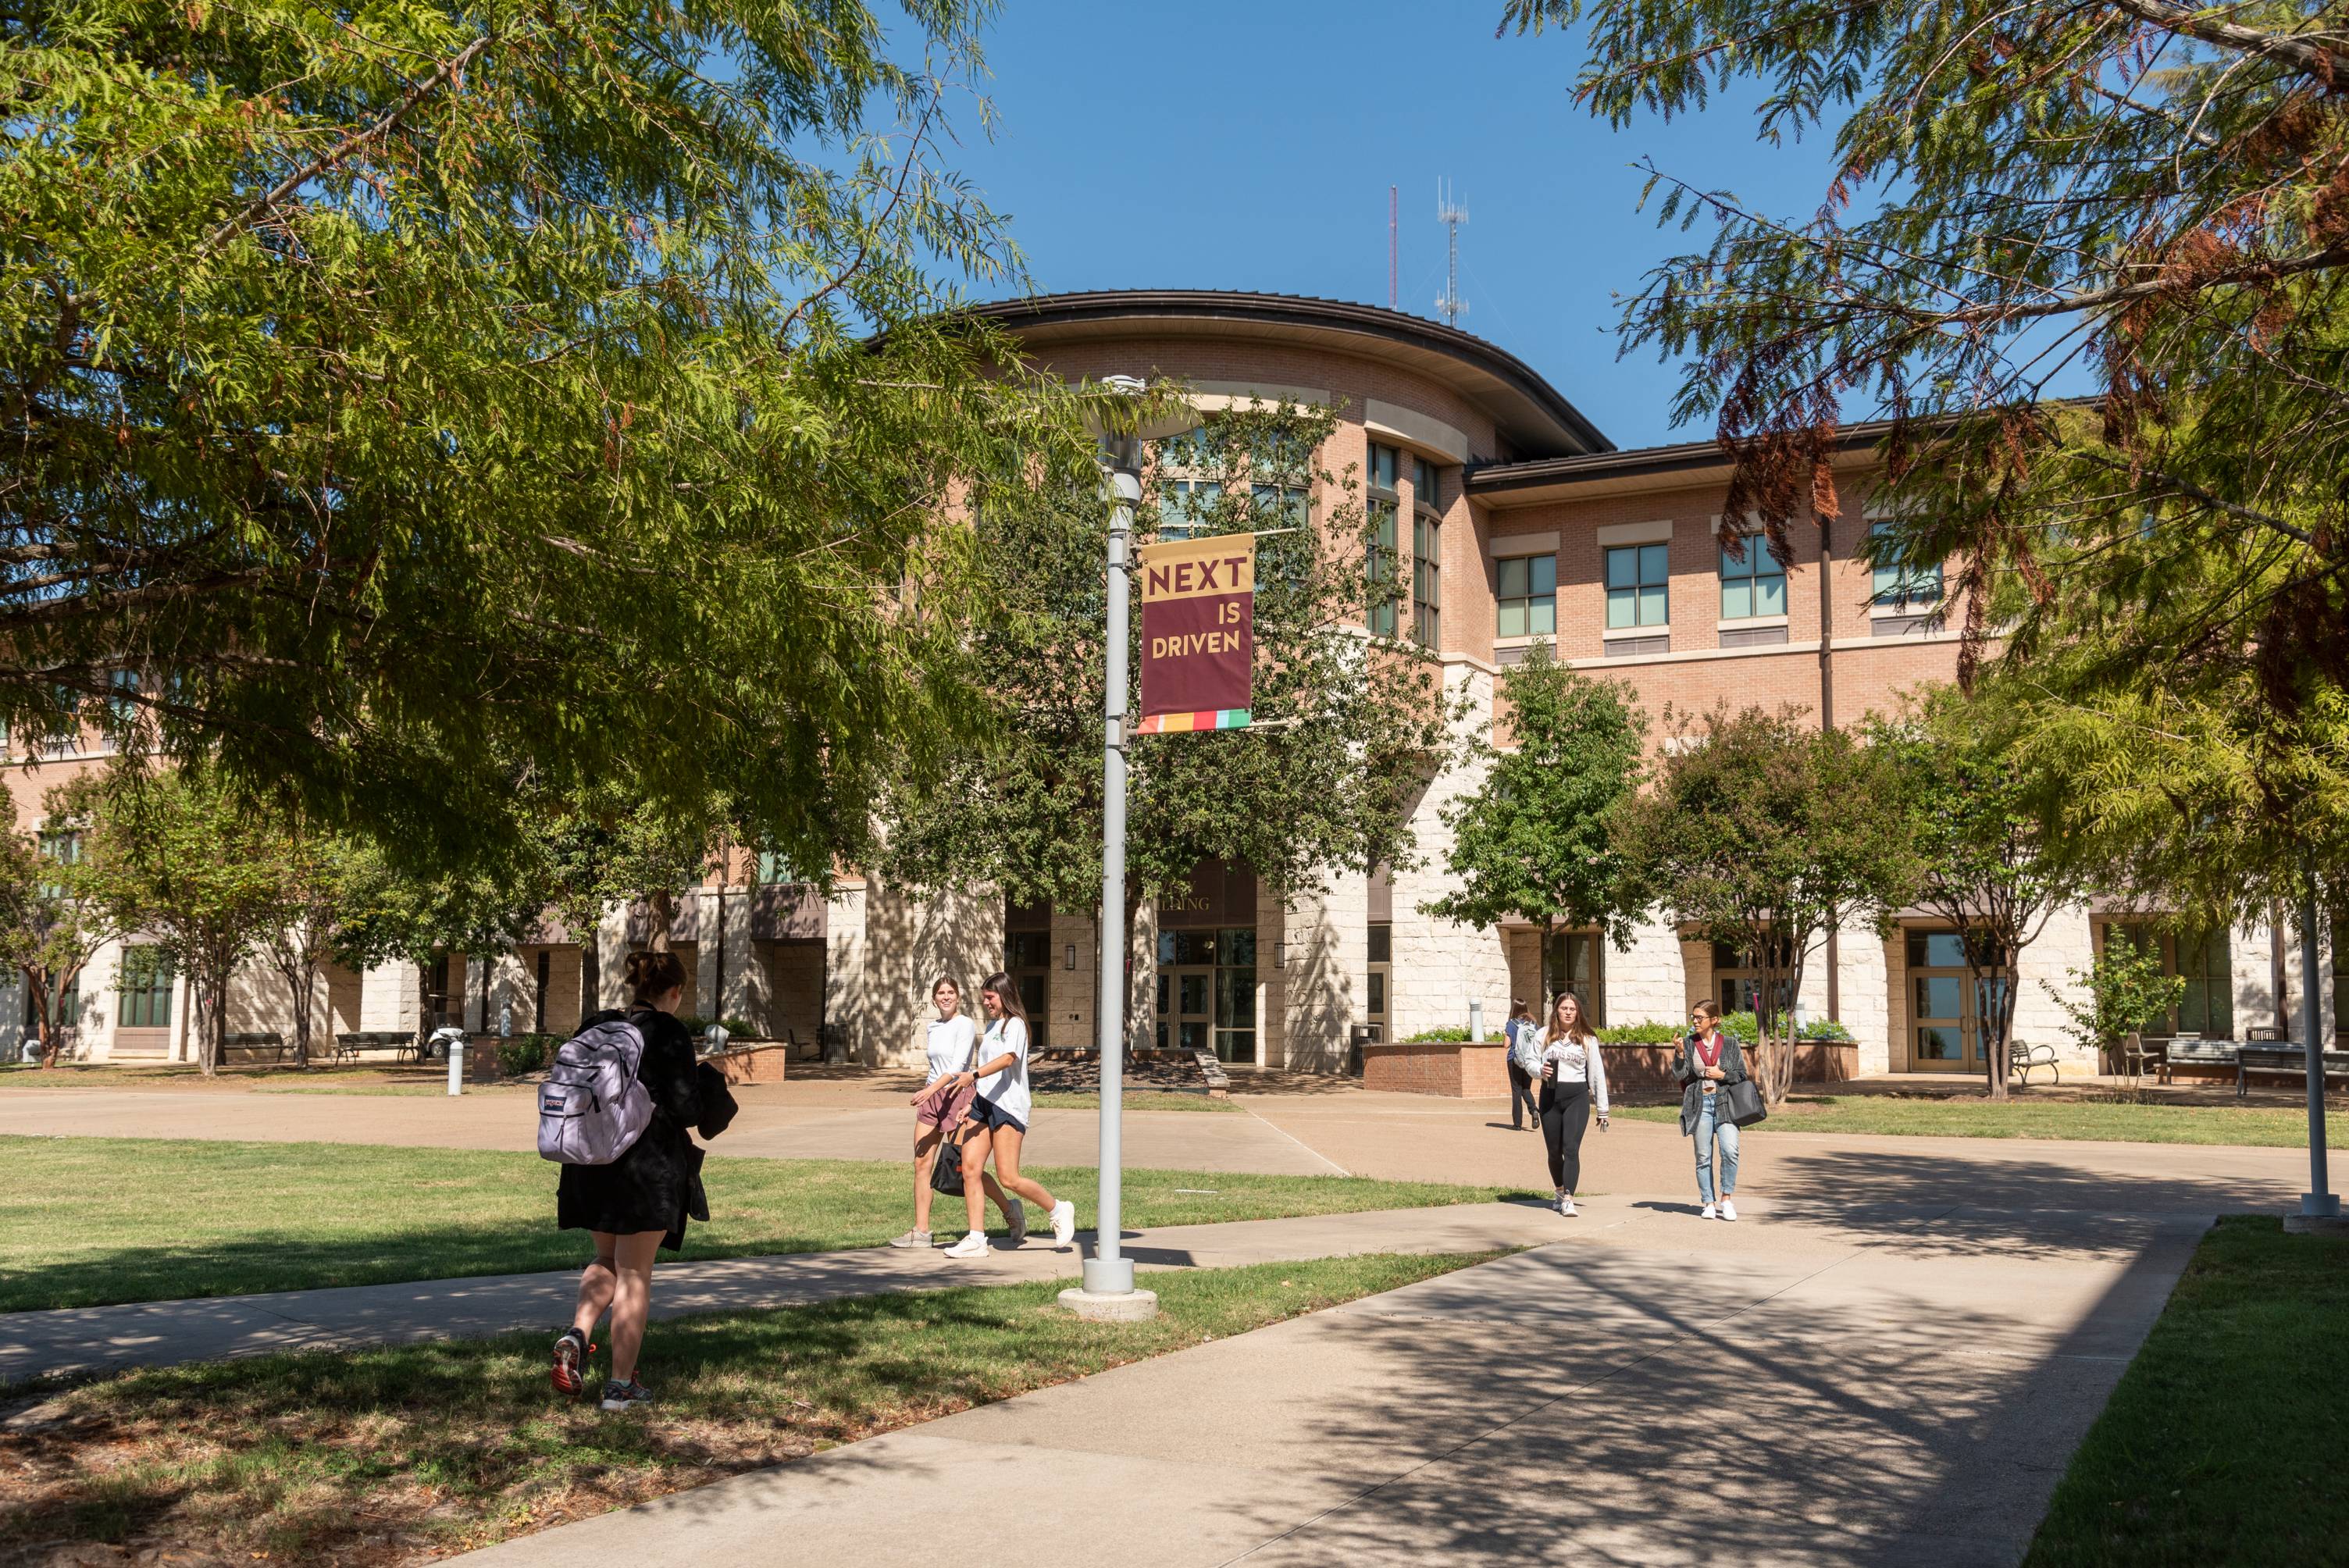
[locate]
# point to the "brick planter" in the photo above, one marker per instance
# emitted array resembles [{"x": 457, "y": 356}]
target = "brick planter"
[
  {"x": 1437, "y": 1067},
  {"x": 1651, "y": 1066},
  {"x": 1481, "y": 1071},
  {"x": 753, "y": 1063}
]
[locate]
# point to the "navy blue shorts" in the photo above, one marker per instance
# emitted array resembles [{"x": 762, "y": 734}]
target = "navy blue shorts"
[{"x": 990, "y": 1116}]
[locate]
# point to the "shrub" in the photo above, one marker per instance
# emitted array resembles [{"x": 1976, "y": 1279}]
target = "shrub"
[
  {"x": 1653, "y": 1032},
  {"x": 1457, "y": 1033},
  {"x": 520, "y": 1054},
  {"x": 697, "y": 1026},
  {"x": 1650, "y": 1033}
]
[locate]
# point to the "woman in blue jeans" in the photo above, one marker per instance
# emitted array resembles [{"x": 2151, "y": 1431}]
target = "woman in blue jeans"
[{"x": 1709, "y": 1062}]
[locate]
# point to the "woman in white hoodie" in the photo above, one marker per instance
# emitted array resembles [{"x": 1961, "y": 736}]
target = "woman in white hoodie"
[{"x": 1573, "y": 1073}]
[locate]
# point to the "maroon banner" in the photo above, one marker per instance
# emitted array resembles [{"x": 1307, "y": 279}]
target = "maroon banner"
[{"x": 1198, "y": 634}]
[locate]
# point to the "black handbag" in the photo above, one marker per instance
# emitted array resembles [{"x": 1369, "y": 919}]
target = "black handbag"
[{"x": 1745, "y": 1107}]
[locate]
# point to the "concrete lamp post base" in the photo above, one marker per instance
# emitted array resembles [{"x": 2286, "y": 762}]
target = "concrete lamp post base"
[{"x": 1112, "y": 1306}]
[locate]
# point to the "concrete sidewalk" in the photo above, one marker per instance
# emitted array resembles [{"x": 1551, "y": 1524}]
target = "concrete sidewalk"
[
  {"x": 154, "y": 1334},
  {"x": 1661, "y": 1391}
]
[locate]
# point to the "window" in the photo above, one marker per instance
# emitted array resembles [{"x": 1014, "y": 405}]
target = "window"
[
  {"x": 773, "y": 867},
  {"x": 1381, "y": 973},
  {"x": 1753, "y": 586},
  {"x": 1426, "y": 556},
  {"x": 1902, "y": 587},
  {"x": 61, "y": 846},
  {"x": 1381, "y": 559},
  {"x": 1206, "y": 992},
  {"x": 538, "y": 999},
  {"x": 2206, "y": 959},
  {"x": 68, "y": 1003},
  {"x": 1637, "y": 576},
  {"x": 1572, "y": 961},
  {"x": 1737, "y": 983},
  {"x": 144, "y": 989},
  {"x": 1527, "y": 596}
]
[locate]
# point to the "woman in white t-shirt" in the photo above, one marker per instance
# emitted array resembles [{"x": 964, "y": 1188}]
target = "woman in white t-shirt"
[
  {"x": 1573, "y": 1073},
  {"x": 999, "y": 1120},
  {"x": 938, "y": 1110}
]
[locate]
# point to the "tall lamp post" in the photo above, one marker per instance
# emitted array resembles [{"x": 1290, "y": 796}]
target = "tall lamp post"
[{"x": 1108, "y": 1293}]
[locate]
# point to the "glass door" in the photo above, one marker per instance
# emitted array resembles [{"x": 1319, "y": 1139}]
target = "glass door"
[
  {"x": 1185, "y": 1022},
  {"x": 1235, "y": 995},
  {"x": 1946, "y": 1011}
]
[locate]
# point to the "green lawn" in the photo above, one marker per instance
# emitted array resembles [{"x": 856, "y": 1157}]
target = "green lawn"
[
  {"x": 2093, "y": 1119},
  {"x": 1144, "y": 1099},
  {"x": 2223, "y": 1442},
  {"x": 87, "y": 1221},
  {"x": 376, "y": 1456}
]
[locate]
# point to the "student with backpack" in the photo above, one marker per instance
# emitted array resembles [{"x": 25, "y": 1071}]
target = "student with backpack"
[
  {"x": 997, "y": 1123},
  {"x": 615, "y": 1110}
]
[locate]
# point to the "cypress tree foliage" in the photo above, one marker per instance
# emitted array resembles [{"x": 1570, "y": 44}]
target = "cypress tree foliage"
[
  {"x": 402, "y": 408},
  {"x": 2147, "y": 195},
  {"x": 1538, "y": 839},
  {"x": 1362, "y": 721}
]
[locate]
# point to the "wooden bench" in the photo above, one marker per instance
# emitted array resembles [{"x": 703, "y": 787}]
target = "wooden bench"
[
  {"x": 2289, "y": 1060},
  {"x": 256, "y": 1041}
]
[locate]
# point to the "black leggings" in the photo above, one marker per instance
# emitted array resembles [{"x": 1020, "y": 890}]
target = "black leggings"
[
  {"x": 1564, "y": 1115},
  {"x": 1521, "y": 1097}
]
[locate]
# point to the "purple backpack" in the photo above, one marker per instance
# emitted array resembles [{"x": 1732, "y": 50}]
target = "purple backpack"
[{"x": 592, "y": 1108}]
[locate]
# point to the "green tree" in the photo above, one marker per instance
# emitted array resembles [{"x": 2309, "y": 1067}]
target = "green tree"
[
  {"x": 2141, "y": 195},
  {"x": 384, "y": 401},
  {"x": 178, "y": 855},
  {"x": 2127, "y": 992},
  {"x": 1984, "y": 858},
  {"x": 48, "y": 924},
  {"x": 319, "y": 876},
  {"x": 1537, "y": 838},
  {"x": 1761, "y": 833},
  {"x": 1351, "y": 727}
]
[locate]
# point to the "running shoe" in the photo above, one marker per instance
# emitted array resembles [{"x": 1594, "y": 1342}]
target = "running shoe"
[
  {"x": 1015, "y": 1214},
  {"x": 628, "y": 1396},
  {"x": 1565, "y": 1206},
  {"x": 1064, "y": 1222},
  {"x": 973, "y": 1245},
  {"x": 1710, "y": 1213},
  {"x": 912, "y": 1239},
  {"x": 571, "y": 1353},
  {"x": 1728, "y": 1209}
]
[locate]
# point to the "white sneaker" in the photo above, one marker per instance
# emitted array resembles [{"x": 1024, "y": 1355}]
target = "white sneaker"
[
  {"x": 1708, "y": 1213},
  {"x": 1728, "y": 1209},
  {"x": 1064, "y": 1222},
  {"x": 973, "y": 1245},
  {"x": 920, "y": 1239},
  {"x": 1565, "y": 1205},
  {"x": 1016, "y": 1216},
  {"x": 1558, "y": 1201}
]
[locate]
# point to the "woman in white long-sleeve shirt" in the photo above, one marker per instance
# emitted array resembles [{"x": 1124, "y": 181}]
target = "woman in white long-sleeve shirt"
[{"x": 1573, "y": 1073}]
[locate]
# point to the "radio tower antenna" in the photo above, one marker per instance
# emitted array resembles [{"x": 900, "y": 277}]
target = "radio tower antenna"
[
  {"x": 1449, "y": 214},
  {"x": 1389, "y": 248}
]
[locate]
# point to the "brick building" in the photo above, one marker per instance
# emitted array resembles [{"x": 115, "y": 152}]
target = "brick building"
[{"x": 1523, "y": 526}]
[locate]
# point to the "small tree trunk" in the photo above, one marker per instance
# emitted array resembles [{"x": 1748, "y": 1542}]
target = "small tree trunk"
[
  {"x": 661, "y": 909},
  {"x": 302, "y": 1002}
]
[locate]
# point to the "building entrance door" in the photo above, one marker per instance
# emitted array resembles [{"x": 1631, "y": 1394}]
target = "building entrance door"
[
  {"x": 1946, "y": 1010},
  {"x": 1185, "y": 1018}
]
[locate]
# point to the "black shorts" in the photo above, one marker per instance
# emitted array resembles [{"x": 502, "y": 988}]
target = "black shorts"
[{"x": 990, "y": 1116}]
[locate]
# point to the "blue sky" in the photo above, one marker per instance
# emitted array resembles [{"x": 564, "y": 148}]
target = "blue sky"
[{"x": 1250, "y": 145}]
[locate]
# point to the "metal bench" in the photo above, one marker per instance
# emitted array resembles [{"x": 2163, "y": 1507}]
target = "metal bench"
[
  {"x": 2022, "y": 1058},
  {"x": 2291, "y": 1059},
  {"x": 256, "y": 1041},
  {"x": 2193, "y": 1051},
  {"x": 352, "y": 1042}
]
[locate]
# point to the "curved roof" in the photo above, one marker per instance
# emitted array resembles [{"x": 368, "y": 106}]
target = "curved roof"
[{"x": 1532, "y": 414}]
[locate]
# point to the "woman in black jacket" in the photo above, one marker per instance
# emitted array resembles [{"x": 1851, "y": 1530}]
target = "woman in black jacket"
[
  {"x": 640, "y": 1202},
  {"x": 1709, "y": 1061}
]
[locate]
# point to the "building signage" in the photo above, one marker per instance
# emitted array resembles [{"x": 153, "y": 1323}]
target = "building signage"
[{"x": 1198, "y": 634}]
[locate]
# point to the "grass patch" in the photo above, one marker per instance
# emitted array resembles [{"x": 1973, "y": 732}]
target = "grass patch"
[
  {"x": 1147, "y": 1099},
  {"x": 366, "y": 1457},
  {"x": 88, "y": 1221},
  {"x": 2103, "y": 1121},
  {"x": 2222, "y": 1442}
]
